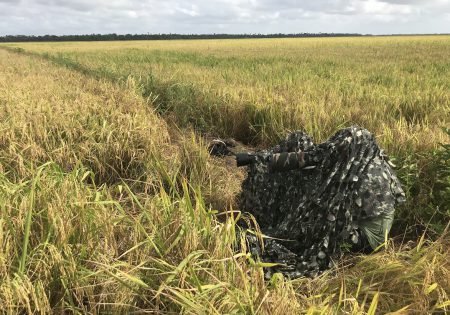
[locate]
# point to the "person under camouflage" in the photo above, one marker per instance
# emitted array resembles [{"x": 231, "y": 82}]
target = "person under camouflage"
[{"x": 311, "y": 201}]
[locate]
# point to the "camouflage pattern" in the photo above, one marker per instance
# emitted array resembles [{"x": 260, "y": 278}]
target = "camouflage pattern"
[{"x": 313, "y": 200}]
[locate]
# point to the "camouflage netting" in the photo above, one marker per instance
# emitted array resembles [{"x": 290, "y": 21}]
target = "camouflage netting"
[{"x": 340, "y": 194}]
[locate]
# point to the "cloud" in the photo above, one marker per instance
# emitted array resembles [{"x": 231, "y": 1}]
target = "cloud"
[
  {"x": 231, "y": 16},
  {"x": 408, "y": 2}
]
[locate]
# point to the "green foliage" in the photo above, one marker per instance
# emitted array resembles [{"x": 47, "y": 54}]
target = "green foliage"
[
  {"x": 441, "y": 187},
  {"x": 426, "y": 179}
]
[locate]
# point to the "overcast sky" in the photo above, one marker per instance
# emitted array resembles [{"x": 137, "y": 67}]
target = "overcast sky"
[{"x": 39, "y": 17}]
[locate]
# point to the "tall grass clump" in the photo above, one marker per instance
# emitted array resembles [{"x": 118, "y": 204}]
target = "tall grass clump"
[
  {"x": 114, "y": 136},
  {"x": 427, "y": 177}
]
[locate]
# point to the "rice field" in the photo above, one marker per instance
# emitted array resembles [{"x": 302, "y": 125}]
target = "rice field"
[
  {"x": 110, "y": 202},
  {"x": 396, "y": 87}
]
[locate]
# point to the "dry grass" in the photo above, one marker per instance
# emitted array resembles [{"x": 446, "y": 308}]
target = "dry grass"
[{"x": 106, "y": 208}]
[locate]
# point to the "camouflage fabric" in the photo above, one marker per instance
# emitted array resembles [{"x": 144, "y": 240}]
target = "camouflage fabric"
[{"x": 313, "y": 200}]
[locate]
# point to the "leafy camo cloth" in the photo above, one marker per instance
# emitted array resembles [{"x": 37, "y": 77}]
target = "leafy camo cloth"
[{"x": 344, "y": 195}]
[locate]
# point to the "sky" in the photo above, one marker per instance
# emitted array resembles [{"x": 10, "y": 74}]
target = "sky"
[{"x": 63, "y": 17}]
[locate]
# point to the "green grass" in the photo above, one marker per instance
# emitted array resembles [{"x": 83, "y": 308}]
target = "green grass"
[{"x": 110, "y": 202}]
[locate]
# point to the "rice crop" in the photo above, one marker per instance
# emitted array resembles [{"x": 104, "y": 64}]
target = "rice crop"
[{"x": 110, "y": 202}]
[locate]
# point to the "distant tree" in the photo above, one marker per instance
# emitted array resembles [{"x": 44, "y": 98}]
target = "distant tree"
[{"x": 148, "y": 36}]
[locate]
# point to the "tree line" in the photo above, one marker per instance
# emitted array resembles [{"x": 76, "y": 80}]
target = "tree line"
[{"x": 110, "y": 37}]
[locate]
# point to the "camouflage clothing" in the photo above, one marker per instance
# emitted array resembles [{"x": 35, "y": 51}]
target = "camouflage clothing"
[{"x": 317, "y": 198}]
